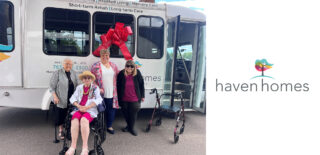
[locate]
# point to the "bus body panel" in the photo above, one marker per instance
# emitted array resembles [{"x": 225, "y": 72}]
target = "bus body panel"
[
  {"x": 37, "y": 67},
  {"x": 10, "y": 62},
  {"x": 40, "y": 66},
  {"x": 21, "y": 98}
]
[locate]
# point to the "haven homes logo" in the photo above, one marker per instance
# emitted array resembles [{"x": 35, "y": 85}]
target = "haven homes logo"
[
  {"x": 262, "y": 85},
  {"x": 261, "y": 66}
]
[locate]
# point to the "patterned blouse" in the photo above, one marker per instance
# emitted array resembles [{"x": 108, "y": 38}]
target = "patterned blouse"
[
  {"x": 93, "y": 96},
  {"x": 96, "y": 70},
  {"x": 59, "y": 85}
]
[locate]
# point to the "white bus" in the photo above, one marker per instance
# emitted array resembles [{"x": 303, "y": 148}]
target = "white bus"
[{"x": 37, "y": 35}]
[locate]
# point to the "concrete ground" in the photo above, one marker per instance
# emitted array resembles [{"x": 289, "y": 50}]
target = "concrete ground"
[{"x": 27, "y": 132}]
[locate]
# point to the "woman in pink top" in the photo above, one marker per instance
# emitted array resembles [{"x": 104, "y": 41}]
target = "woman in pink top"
[
  {"x": 130, "y": 86},
  {"x": 85, "y": 99}
]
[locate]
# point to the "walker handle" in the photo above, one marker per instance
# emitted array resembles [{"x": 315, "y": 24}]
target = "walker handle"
[{"x": 153, "y": 91}]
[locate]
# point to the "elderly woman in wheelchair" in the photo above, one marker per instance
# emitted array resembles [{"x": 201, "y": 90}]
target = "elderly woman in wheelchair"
[{"x": 85, "y": 100}]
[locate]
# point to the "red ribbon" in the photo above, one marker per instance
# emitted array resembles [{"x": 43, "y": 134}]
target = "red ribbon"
[{"x": 117, "y": 36}]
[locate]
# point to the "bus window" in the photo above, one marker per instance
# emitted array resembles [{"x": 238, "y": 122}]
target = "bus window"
[
  {"x": 102, "y": 22},
  {"x": 150, "y": 38},
  {"x": 66, "y": 32},
  {"x": 6, "y": 27}
]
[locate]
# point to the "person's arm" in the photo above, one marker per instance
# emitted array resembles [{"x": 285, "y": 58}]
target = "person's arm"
[
  {"x": 55, "y": 98},
  {"x": 95, "y": 72},
  {"x": 95, "y": 101},
  {"x": 74, "y": 98},
  {"x": 116, "y": 69},
  {"x": 76, "y": 104},
  {"x": 93, "y": 104},
  {"x": 98, "y": 99},
  {"x": 53, "y": 86},
  {"x": 74, "y": 101},
  {"x": 141, "y": 85},
  {"x": 119, "y": 80}
]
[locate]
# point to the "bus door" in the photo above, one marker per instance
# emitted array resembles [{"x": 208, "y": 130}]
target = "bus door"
[
  {"x": 186, "y": 62},
  {"x": 10, "y": 44},
  {"x": 199, "y": 75}
]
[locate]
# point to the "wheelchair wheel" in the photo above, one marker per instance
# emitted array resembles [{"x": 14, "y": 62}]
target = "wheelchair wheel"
[
  {"x": 64, "y": 150},
  {"x": 92, "y": 152},
  {"x": 148, "y": 128},
  {"x": 99, "y": 151},
  {"x": 158, "y": 122}
]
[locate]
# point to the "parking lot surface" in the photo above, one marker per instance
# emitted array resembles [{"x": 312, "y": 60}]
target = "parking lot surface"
[{"x": 28, "y": 132}]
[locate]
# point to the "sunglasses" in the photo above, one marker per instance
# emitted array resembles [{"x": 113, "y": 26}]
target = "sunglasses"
[
  {"x": 129, "y": 66},
  {"x": 86, "y": 77}
]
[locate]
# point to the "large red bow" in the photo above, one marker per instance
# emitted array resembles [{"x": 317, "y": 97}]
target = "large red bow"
[{"x": 117, "y": 36}]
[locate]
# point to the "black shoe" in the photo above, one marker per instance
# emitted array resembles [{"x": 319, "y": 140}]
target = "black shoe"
[
  {"x": 133, "y": 132},
  {"x": 110, "y": 131},
  {"x": 126, "y": 129}
]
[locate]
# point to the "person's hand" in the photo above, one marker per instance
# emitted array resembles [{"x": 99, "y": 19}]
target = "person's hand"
[
  {"x": 56, "y": 100},
  {"x": 142, "y": 99},
  {"x": 101, "y": 91},
  {"x": 83, "y": 109}
]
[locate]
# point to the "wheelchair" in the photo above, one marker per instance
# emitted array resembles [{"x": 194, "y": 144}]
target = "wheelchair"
[{"x": 97, "y": 127}]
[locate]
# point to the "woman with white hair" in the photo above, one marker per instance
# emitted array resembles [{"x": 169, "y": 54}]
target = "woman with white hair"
[
  {"x": 85, "y": 99},
  {"x": 62, "y": 84}
]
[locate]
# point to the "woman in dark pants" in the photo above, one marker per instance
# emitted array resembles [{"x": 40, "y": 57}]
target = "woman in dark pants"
[
  {"x": 62, "y": 84},
  {"x": 130, "y": 86}
]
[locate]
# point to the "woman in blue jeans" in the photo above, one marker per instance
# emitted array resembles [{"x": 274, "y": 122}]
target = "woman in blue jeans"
[{"x": 106, "y": 78}]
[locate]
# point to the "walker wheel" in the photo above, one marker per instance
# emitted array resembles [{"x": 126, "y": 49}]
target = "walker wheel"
[
  {"x": 158, "y": 122},
  {"x": 176, "y": 139},
  {"x": 148, "y": 128},
  {"x": 182, "y": 129}
]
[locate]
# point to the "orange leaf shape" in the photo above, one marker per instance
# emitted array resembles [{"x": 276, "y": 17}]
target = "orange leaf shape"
[{"x": 3, "y": 56}]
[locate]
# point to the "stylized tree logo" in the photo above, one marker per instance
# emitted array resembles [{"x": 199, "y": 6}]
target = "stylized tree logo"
[{"x": 261, "y": 66}]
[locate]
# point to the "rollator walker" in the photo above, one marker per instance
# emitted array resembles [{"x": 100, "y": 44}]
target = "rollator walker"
[{"x": 160, "y": 110}]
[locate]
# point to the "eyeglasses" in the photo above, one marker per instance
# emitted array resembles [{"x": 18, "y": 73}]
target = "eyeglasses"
[
  {"x": 105, "y": 55},
  {"x": 68, "y": 64},
  {"x": 129, "y": 66}
]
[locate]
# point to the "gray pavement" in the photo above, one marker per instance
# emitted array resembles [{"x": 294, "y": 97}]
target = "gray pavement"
[{"x": 27, "y": 132}]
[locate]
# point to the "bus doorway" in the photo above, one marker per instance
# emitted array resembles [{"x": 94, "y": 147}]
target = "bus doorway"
[{"x": 185, "y": 67}]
